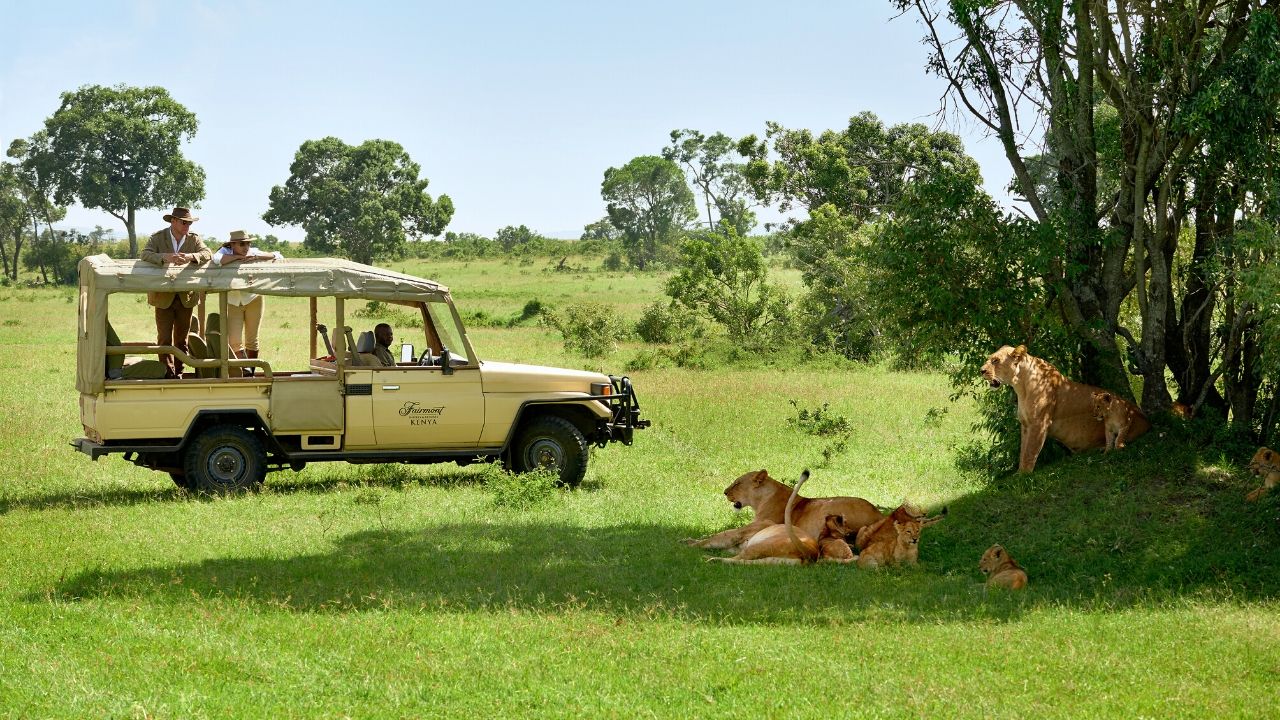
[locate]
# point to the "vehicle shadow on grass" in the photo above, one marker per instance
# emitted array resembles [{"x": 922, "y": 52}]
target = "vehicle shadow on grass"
[{"x": 279, "y": 483}]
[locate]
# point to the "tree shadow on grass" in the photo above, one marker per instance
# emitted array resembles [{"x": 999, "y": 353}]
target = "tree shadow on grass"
[{"x": 1162, "y": 521}]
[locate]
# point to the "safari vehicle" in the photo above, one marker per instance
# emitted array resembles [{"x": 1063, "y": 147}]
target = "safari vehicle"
[{"x": 215, "y": 429}]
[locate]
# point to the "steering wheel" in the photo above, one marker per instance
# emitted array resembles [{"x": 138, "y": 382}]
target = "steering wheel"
[{"x": 426, "y": 360}]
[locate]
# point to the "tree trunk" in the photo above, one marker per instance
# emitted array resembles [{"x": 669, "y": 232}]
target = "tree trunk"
[
  {"x": 1190, "y": 340},
  {"x": 130, "y": 224}
]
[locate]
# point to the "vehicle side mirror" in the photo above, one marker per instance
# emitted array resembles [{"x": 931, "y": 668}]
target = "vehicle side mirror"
[{"x": 446, "y": 361}]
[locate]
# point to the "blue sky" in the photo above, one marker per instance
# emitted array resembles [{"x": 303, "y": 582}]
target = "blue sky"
[{"x": 514, "y": 110}]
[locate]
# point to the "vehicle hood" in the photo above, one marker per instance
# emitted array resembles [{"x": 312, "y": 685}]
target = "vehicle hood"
[{"x": 500, "y": 377}]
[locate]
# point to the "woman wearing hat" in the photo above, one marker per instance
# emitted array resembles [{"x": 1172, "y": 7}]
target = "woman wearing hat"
[{"x": 244, "y": 309}]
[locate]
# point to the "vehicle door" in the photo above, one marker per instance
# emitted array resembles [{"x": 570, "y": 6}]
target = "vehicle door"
[{"x": 425, "y": 408}]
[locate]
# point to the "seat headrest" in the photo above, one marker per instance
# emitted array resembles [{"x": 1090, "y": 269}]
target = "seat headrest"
[
  {"x": 365, "y": 343},
  {"x": 196, "y": 347}
]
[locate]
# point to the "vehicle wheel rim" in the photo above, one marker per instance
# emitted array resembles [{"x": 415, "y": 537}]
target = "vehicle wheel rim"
[
  {"x": 545, "y": 453},
  {"x": 226, "y": 465}
]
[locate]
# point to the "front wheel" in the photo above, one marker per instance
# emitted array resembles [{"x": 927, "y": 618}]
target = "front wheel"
[
  {"x": 226, "y": 459},
  {"x": 554, "y": 443}
]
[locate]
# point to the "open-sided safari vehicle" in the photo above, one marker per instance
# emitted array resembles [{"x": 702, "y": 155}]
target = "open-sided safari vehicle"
[{"x": 215, "y": 429}]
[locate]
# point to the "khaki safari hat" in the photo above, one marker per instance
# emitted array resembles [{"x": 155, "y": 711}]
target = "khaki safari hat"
[
  {"x": 180, "y": 213},
  {"x": 238, "y": 236}
]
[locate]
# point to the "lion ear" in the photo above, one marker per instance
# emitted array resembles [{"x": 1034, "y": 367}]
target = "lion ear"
[
  {"x": 1020, "y": 351},
  {"x": 999, "y": 553},
  {"x": 761, "y": 476},
  {"x": 1267, "y": 456},
  {"x": 1106, "y": 397}
]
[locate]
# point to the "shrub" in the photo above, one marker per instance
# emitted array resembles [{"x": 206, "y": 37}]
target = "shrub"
[
  {"x": 519, "y": 491},
  {"x": 665, "y": 323},
  {"x": 590, "y": 329}
]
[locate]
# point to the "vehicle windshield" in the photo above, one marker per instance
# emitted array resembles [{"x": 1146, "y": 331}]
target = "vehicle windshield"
[{"x": 448, "y": 328}]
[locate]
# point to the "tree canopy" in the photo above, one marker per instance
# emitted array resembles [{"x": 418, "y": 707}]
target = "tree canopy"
[
  {"x": 361, "y": 201},
  {"x": 117, "y": 149},
  {"x": 650, "y": 202}
]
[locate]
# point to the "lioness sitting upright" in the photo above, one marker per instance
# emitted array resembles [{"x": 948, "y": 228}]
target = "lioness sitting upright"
[
  {"x": 1266, "y": 465},
  {"x": 1049, "y": 405},
  {"x": 768, "y": 498},
  {"x": 1121, "y": 418}
]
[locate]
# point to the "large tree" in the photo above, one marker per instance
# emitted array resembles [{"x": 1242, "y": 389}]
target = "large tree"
[
  {"x": 1145, "y": 115},
  {"x": 14, "y": 216},
  {"x": 650, "y": 202},
  {"x": 361, "y": 201},
  {"x": 708, "y": 160},
  {"x": 117, "y": 149}
]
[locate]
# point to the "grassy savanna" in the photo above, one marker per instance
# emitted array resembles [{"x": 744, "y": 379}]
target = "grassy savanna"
[{"x": 400, "y": 591}]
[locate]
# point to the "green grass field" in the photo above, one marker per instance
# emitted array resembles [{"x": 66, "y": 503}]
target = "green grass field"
[{"x": 403, "y": 591}]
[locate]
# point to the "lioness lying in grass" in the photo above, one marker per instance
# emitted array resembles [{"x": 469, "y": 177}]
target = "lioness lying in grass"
[
  {"x": 768, "y": 498},
  {"x": 785, "y": 544}
]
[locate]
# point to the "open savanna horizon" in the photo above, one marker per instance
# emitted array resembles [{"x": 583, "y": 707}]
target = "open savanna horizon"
[{"x": 406, "y": 591}]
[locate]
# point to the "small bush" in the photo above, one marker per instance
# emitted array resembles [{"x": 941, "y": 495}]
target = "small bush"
[
  {"x": 391, "y": 314},
  {"x": 665, "y": 323},
  {"x": 590, "y": 329},
  {"x": 614, "y": 262},
  {"x": 519, "y": 491},
  {"x": 818, "y": 422}
]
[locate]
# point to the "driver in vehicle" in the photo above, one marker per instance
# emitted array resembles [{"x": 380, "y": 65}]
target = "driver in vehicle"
[{"x": 382, "y": 349}]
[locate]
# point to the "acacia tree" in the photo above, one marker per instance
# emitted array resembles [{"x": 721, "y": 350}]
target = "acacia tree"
[
  {"x": 117, "y": 149},
  {"x": 707, "y": 160},
  {"x": 649, "y": 201},
  {"x": 1193, "y": 88},
  {"x": 360, "y": 201}
]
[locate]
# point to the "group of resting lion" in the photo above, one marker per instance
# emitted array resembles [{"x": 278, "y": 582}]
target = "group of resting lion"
[{"x": 790, "y": 529}]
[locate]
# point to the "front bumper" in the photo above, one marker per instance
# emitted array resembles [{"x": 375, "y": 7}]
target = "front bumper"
[{"x": 625, "y": 409}]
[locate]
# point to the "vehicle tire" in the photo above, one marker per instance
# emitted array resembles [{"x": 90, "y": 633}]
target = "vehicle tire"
[
  {"x": 551, "y": 441},
  {"x": 226, "y": 459}
]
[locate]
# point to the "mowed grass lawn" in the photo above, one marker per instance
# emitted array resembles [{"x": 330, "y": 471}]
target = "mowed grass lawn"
[{"x": 402, "y": 591}]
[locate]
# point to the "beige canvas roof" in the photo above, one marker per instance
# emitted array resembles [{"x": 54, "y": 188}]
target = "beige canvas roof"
[
  {"x": 101, "y": 275},
  {"x": 322, "y": 277}
]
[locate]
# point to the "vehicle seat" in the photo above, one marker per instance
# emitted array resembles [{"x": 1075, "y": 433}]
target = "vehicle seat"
[
  {"x": 198, "y": 349},
  {"x": 364, "y": 349}
]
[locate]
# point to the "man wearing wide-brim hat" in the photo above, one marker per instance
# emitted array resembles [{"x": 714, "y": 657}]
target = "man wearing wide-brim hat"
[
  {"x": 175, "y": 245},
  {"x": 244, "y": 309}
]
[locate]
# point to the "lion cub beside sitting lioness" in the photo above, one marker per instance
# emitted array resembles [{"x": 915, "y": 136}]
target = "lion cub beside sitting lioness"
[
  {"x": 1266, "y": 465},
  {"x": 1001, "y": 569},
  {"x": 1120, "y": 417},
  {"x": 894, "y": 540}
]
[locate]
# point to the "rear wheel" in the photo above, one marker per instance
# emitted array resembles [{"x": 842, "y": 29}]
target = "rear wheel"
[
  {"x": 555, "y": 443},
  {"x": 226, "y": 459}
]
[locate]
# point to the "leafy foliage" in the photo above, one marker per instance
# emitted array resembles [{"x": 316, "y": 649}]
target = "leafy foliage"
[
  {"x": 359, "y": 201},
  {"x": 649, "y": 201},
  {"x": 591, "y": 329},
  {"x": 117, "y": 149},
  {"x": 723, "y": 185},
  {"x": 723, "y": 276}
]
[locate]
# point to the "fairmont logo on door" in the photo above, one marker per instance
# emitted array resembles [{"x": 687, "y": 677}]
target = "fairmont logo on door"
[{"x": 419, "y": 415}]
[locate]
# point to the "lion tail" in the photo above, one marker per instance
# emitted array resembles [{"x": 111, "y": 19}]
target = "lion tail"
[{"x": 801, "y": 551}]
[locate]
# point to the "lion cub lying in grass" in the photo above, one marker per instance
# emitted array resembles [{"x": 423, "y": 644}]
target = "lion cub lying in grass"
[
  {"x": 1001, "y": 569},
  {"x": 1119, "y": 417},
  {"x": 895, "y": 540},
  {"x": 785, "y": 545},
  {"x": 1266, "y": 465}
]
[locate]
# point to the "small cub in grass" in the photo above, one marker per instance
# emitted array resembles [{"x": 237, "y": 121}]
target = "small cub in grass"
[
  {"x": 1120, "y": 418},
  {"x": 895, "y": 539},
  {"x": 1001, "y": 569},
  {"x": 1266, "y": 465}
]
